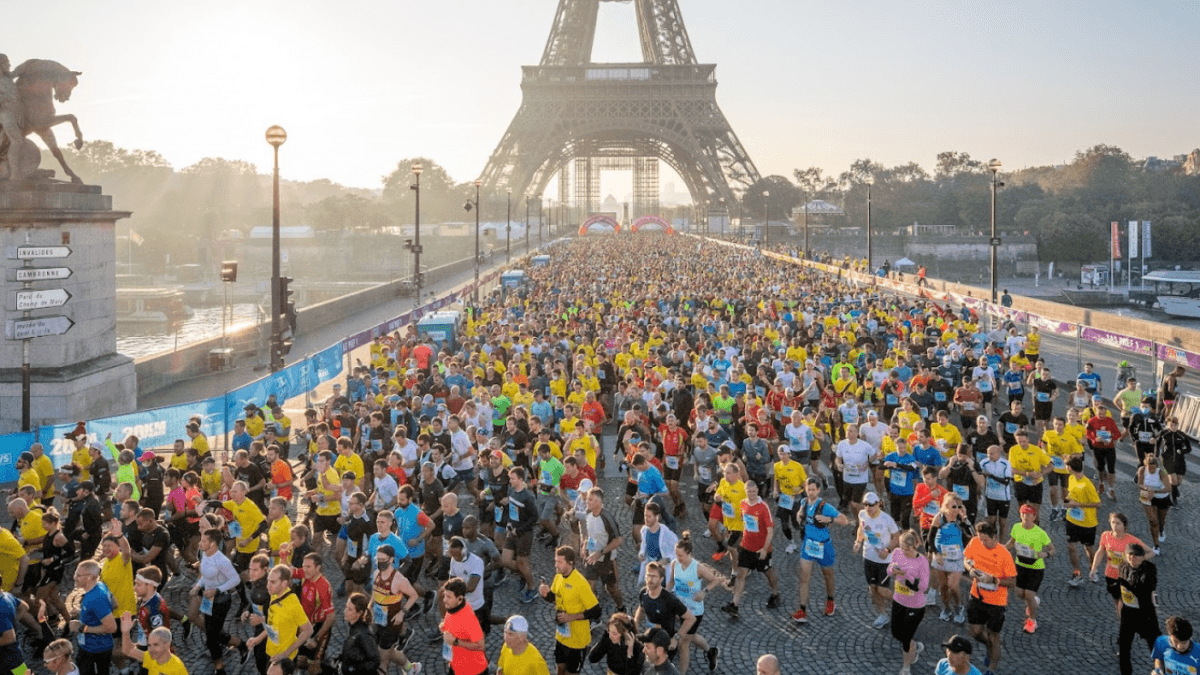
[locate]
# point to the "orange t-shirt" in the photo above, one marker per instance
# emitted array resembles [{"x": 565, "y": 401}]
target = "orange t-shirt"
[
  {"x": 927, "y": 502},
  {"x": 281, "y": 472},
  {"x": 1115, "y": 551},
  {"x": 996, "y": 562}
]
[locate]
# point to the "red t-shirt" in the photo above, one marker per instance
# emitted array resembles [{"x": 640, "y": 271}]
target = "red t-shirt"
[
  {"x": 756, "y": 519},
  {"x": 317, "y": 600},
  {"x": 926, "y": 500},
  {"x": 422, "y": 353},
  {"x": 465, "y": 626},
  {"x": 281, "y": 477},
  {"x": 673, "y": 441}
]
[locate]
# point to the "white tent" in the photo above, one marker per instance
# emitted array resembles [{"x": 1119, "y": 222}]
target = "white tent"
[{"x": 904, "y": 262}]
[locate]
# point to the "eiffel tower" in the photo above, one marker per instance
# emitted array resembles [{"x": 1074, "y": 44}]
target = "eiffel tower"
[{"x": 621, "y": 116}]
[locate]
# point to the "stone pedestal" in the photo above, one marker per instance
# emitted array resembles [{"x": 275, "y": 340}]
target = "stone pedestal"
[{"x": 78, "y": 375}]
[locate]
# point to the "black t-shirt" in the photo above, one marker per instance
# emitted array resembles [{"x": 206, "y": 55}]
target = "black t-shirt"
[
  {"x": 101, "y": 476},
  {"x": 358, "y": 531},
  {"x": 665, "y": 610},
  {"x": 452, "y": 525},
  {"x": 979, "y": 442},
  {"x": 1008, "y": 432},
  {"x": 156, "y": 537},
  {"x": 152, "y": 483},
  {"x": 252, "y": 475}
]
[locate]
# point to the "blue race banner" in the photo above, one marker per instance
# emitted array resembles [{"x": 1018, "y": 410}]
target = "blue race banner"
[
  {"x": 11, "y": 447},
  {"x": 327, "y": 364}
]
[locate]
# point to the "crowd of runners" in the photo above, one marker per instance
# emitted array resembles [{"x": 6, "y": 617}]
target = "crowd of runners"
[{"x": 788, "y": 408}]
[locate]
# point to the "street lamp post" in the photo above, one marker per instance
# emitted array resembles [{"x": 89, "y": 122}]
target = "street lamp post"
[
  {"x": 527, "y": 198},
  {"x": 508, "y": 232},
  {"x": 870, "y": 258},
  {"x": 276, "y": 136},
  {"x": 416, "y": 249},
  {"x": 805, "y": 256},
  {"x": 766, "y": 216},
  {"x": 724, "y": 214},
  {"x": 994, "y": 165}
]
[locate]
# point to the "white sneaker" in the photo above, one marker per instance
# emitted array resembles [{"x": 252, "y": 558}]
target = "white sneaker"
[
  {"x": 881, "y": 621},
  {"x": 1162, "y": 536},
  {"x": 1156, "y": 551},
  {"x": 945, "y": 615},
  {"x": 961, "y": 616},
  {"x": 931, "y": 597},
  {"x": 413, "y": 668},
  {"x": 791, "y": 548},
  {"x": 707, "y": 534},
  {"x": 920, "y": 648}
]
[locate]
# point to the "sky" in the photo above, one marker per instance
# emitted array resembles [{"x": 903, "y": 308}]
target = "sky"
[{"x": 359, "y": 84}]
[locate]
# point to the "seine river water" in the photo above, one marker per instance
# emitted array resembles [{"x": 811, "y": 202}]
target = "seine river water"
[{"x": 144, "y": 340}]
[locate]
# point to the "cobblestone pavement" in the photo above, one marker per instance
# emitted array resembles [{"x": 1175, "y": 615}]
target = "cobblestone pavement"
[{"x": 1076, "y": 635}]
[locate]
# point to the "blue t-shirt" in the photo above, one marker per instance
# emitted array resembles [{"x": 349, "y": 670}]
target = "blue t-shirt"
[
  {"x": 944, "y": 668},
  {"x": 543, "y": 410},
  {"x": 652, "y": 550},
  {"x": 1012, "y": 382},
  {"x": 812, "y": 530},
  {"x": 408, "y": 527},
  {"x": 902, "y": 480},
  {"x": 1090, "y": 380},
  {"x": 95, "y": 605},
  {"x": 650, "y": 481},
  {"x": 1175, "y": 663},
  {"x": 242, "y": 441},
  {"x": 949, "y": 534},
  {"x": 392, "y": 540},
  {"x": 10, "y": 654},
  {"x": 928, "y": 455}
]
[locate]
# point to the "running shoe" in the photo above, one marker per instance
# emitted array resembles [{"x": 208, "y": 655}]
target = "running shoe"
[
  {"x": 706, "y": 534},
  {"x": 881, "y": 621},
  {"x": 1076, "y": 579},
  {"x": 713, "y": 654},
  {"x": 791, "y": 548},
  {"x": 773, "y": 602},
  {"x": 961, "y": 616},
  {"x": 830, "y": 607},
  {"x": 1094, "y": 578},
  {"x": 718, "y": 555},
  {"x": 1162, "y": 536},
  {"x": 413, "y": 668},
  {"x": 1156, "y": 551},
  {"x": 528, "y": 596},
  {"x": 945, "y": 615},
  {"x": 800, "y": 616},
  {"x": 730, "y": 608},
  {"x": 427, "y": 603},
  {"x": 905, "y": 671},
  {"x": 920, "y": 648},
  {"x": 1030, "y": 626}
]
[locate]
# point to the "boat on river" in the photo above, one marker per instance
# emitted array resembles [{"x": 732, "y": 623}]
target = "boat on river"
[
  {"x": 139, "y": 306},
  {"x": 1177, "y": 291}
]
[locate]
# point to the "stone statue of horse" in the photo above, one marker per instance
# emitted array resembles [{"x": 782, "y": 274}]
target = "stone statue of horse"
[{"x": 40, "y": 83}]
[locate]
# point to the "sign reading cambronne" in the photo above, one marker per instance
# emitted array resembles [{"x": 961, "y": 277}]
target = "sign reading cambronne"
[{"x": 42, "y": 273}]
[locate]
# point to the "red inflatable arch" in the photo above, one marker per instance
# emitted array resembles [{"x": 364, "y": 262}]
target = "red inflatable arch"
[
  {"x": 599, "y": 225},
  {"x": 652, "y": 224}
]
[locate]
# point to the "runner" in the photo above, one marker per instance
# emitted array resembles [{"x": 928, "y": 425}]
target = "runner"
[
  {"x": 1081, "y": 503},
  {"x": 1031, "y": 546},
  {"x": 877, "y": 537},
  {"x": 909, "y": 571},
  {"x": 1154, "y": 492},
  {"x": 1175, "y": 653},
  {"x": 754, "y": 550},
  {"x": 815, "y": 516},
  {"x": 575, "y": 606},
  {"x": 789, "y": 480},
  {"x": 947, "y": 537},
  {"x": 689, "y": 577},
  {"x": 1102, "y": 435},
  {"x": 992, "y": 574},
  {"x": 1138, "y": 578}
]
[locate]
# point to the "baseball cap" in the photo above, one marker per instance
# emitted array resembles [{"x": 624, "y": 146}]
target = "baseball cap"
[
  {"x": 786, "y": 448},
  {"x": 871, "y": 498},
  {"x": 517, "y": 624},
  {"x": 656, "y": 636},
  {"x": 1028, "y": 508},
  {"x": 958, "y": 644},
  {"x": 26, "y": 457},
  {"x": 97, "y": 445},
  {"x": 148, "y": 456}
]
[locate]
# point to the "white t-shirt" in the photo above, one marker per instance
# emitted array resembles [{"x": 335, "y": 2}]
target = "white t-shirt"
[
  {"x": 408, "y": 451},
  {"x": 472, "y": 566},
  {"x": 877, "y": 534},
  {"x": 873, "y": 434},
  {"x": 460, "y": 445},
  {"x": 799, "y": 438},
  {"x": 855, "y": 461}
]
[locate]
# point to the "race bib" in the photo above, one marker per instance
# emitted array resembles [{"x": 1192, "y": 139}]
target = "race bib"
[
  {"x": 380, "y": 615},
  {"x": 514, "y": 511},
  {"x": 1058, "y": 462},
  {"x": 1145, "y": 436},
  {"x": 1075, "y": 513},
  {"x": 445, "y": 547},
  {"x": 1011, "y": 428},
  {"x": 563, "y": 630},
  {"x": 873, "y": 538},
  {"x": 963, "y": 491},
  {"x": 672, "y": 461},
  {"x": 705, "y": 474},
  {"x": 985, "y": 386},
  {"x": 750, "y": 522},
  {"x": 1116, "y": 559},
  {"x": 939, "y": 396},
  {"x": 951, "y": 552},
  {"x": 856, "y": 470},
  {"x": 547, "y": 479},
  {"x": 931, "y": 508},
  {"x": 1025, "y": 551},
  {"x": 1128, "y": 598},
  {"x": 572, "y": 495},
  {"x": 272, "y": 633},
  {"x": 498, "y": 512},
  {"x": 206, "y": 606},
  {"x": 1043, "y": 397},
  {"x": 727, "y": 510},
  {"x": 1144, "y": 498},
  {"x": 593, "y": 545},
  {"x": 235, "y": 529},
  {"x": 447, "y": 651},
  {"x": 1104, "y": 436},
  {"x": 899, "y": 479},
  {"x": 924, "y": 412},
  {"x": 968, "y": 405},
  {"x": 786, "y": 501},
  {"x": 902, "y": 588},
  {"x": 814, "y": 549},
  {"x": 892, "y": 400},
  {"x": 352, "y": 549}
]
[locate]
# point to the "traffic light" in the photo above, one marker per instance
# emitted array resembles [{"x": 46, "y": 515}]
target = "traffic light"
[
  {"x": 229, "y": 271},
  {"x": 287, "y": 308},
  {"x": 280, "y": 346}
]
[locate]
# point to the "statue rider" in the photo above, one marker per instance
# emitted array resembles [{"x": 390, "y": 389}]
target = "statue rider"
[{"x": 11, "y": 113}]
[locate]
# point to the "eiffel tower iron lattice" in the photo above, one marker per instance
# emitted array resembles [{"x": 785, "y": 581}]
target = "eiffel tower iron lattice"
[{"x": 663, "y": 107}]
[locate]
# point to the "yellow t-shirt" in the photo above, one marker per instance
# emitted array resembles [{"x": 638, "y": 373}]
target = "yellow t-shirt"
[
  {"x": 173, "y": 666},
  {"x": 254, "y": 425},
  {"x": 284, "y": 619},
  {"x": 30, "y": 477},
  {"x": 278, "y": 534},
  {"x": 791, "y": 477},
  {"x": 572, "y": 595},
  {"x": 209, "y": 482},
  {"x": 1031, "y": 459},
  {"x": 588, "y": 443},
  {"x": 45, "y": 469},
  {"x": 10, "y": 557},
  {"x": 326, "y": 482},
  {"x": 1059, "y": 448},
  {"x": 179, "y": 462},
  {"x": 200, "y": 444},
  {"x": 1083, "y": 491},
  {"x": 950, "y": 433},
  {"x": 117, "y": 574},
  {"x": 248, "y": 516},
  {"x": 732, "y": 495},
  {"x": 82, "y": 458},
  {"x": 31, "y": 528},
  {"x": 529, "y": 662},
  {"x": 351, "y": 462}
]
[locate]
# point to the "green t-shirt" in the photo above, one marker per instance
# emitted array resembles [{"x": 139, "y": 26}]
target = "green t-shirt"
[
  {"x": 724, "y": 407},
  {"x": 550, "y": 471},
  {"x": 1132, "y": 400},
  {"x": 127, "y": 474},
  {"x": 500, "y": 406},
  {"x": 1029, "y": 541}
]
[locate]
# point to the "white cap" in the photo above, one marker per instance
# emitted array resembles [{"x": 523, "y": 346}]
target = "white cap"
[{"x": 517, "y": 624}]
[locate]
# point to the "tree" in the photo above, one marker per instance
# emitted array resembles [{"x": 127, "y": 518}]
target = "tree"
[
  {"x": 951, "y": 164},
  {"x": 783, "y": 197}
]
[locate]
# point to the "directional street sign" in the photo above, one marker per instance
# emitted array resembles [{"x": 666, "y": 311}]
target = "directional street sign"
[
  {"x": 54, "y": 297},
  {"x": 25, "y": 329},
  {"x": 37, "y": 252},
  {"x": 995, "y": 241},
  {"x": 42, "y": 273}
]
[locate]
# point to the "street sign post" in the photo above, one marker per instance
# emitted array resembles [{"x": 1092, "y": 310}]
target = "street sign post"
[
  {"x": 37, "y": 252},
  {"x": 45, "y": 326},
  {"x": 30, "y": 300},
  {"x": 42, "y": 273}
]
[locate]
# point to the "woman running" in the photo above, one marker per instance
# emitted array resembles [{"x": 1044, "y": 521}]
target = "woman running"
[
  {"x": 360, "y": 653},
  {"x": 619, "y": 647},
  {"x": 690, "y": 579},
  {"x": 1112, "y": 551},
  {"x": 909, "y": 570},
  {"x": 55, "y": 550},
  {"x": 947, "y": 538},
  {"x": 1154, "y": 485}
]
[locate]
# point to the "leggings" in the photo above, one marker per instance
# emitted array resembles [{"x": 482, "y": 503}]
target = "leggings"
[
  {"x": 1134, "y": 623},
  {"x": 905, "y": 621},
  {"x": 94, "y": 663},
  {"x": 215, "y": 637}
]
